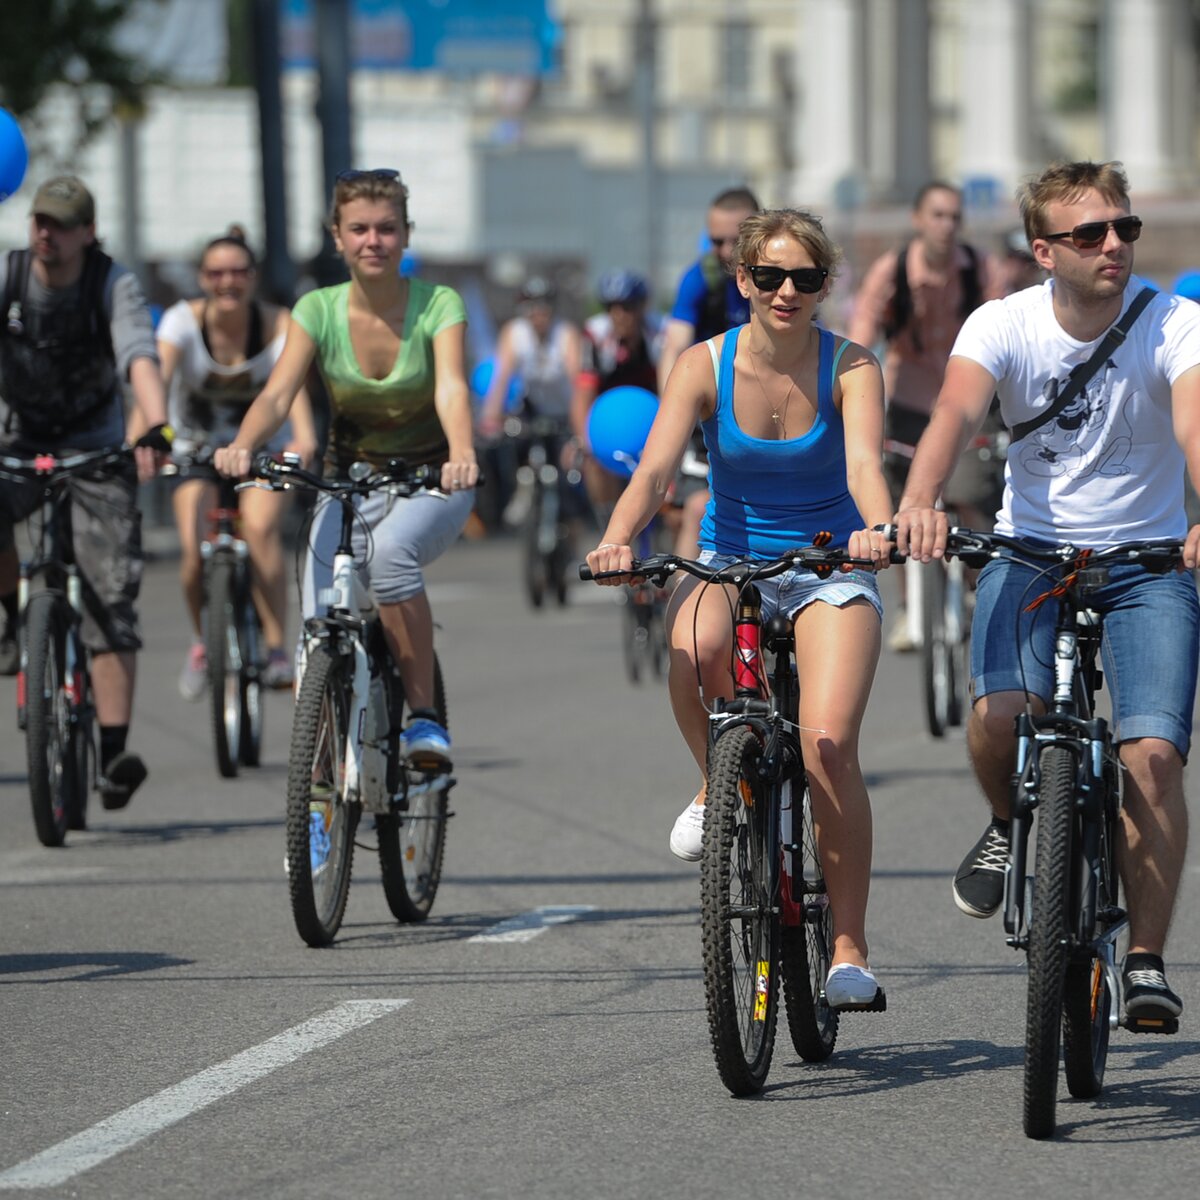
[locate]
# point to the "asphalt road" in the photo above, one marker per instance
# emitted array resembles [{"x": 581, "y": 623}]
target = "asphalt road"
[{"x": 166, "y": 1033}]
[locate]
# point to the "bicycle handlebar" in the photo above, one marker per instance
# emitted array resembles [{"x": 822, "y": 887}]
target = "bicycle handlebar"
[
  {"x": 397, "y": 475},
  {"x": 41, "y": 466},
  {"x": 975, "y": 548},
  {"x": 658, "y": 567}
]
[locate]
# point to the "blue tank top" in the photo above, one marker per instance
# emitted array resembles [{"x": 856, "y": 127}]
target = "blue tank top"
[{"x": 768, "y": 496}]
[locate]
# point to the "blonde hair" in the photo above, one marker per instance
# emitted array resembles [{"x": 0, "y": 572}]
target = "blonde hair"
[
  {"x": 369, "y": 185},
  {"x": 1064, "y": 183},
  {"x": 804, "y": 227}
]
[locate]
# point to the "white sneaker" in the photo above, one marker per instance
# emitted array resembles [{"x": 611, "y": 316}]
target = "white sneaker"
[
  {"x": 687, "y": 834},
  {"x": 193, "y": 679},
  {"x": 848, "y": 986},
  {"x": 899, "y": 639}
]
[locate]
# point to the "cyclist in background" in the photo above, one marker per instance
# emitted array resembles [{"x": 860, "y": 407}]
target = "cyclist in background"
[
  {"x": 914, "y": 299},
  {"x": 391, "y": 353},
  {"x": 621, "y": 347},
  {"x": 793, "y": 419},
  {"x": 76, "y": 329},
  {"x": 216, "y": 354},
  {"x": 1108, "y": 468},
  {"x": 707, "y": 302}
]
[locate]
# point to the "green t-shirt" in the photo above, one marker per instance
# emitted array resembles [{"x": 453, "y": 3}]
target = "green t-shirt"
[{"x": 379, "y": 419}]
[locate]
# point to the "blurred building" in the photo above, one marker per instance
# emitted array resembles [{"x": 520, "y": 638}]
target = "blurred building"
[{"x": 609, "y": 158}]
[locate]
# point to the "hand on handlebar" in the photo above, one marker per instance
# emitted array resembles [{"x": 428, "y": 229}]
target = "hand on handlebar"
[
  {"x": 921, "y": 532},
  {"x": 611, "y": 557},
  {"x": 871, "y": 544},
  {"x": 459, "y": 474},
  {"x": 233, "y": 461}
]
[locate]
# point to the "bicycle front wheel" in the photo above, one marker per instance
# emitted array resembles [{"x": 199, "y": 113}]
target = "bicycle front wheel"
[
  {"x": 938, "y": 658},
  {"x": 806, "y": 950},
  {"x": 48, "y": 718},
  {"x": 224, "y": 667},
  {"x": 738, "y": 915},
  {"x": 412, "y": 843},
  {"x": 1049, "y": 928},
  {"x": 320, "y": 820}
]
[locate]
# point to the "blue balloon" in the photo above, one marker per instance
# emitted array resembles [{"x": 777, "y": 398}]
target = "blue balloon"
[
  {"x": 1188, "y": 285},
  {"x": 618, "y": 426},
  {"x": 14, "y": 155},
  {"x": 410, "y": 264},
  {"x": 481, "y": 381}
]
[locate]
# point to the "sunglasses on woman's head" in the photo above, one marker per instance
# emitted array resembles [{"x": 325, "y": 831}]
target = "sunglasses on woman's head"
[
  {"x": 804, "y": 279},
  {"x": 1091, "y": 234},
  {"x": 384, "y": 173}
]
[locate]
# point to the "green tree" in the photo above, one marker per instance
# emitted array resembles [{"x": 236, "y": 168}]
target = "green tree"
[{"x": 45, "y": 43}]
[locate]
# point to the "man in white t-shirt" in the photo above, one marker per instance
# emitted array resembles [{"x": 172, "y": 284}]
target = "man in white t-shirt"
[{"x": 1108, "y": 468}]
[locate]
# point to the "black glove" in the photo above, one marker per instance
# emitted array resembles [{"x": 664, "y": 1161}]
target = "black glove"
[{"x": 157, "y": 437}]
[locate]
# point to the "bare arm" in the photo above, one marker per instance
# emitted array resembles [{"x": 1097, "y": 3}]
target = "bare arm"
[
  {"x": 861, "y": 383},
  {"x": 678, "y": 337},
  {"x": 271, "y": 405},
  {"x": 1185, "y": 414},
  {"x": 871, "y": 302},
  {"x": 690, "y": 397},
  {"x": 961, "y": 407},
  {"x": 452, "y": 399},
  {"x": 491, "y": 415}
]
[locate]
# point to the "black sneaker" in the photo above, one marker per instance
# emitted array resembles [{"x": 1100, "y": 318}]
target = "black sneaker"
[
  {"x": 1150, "y": 1005},
  {"x": 979, "y": 884},
  {"x": 121, "y": 778}
]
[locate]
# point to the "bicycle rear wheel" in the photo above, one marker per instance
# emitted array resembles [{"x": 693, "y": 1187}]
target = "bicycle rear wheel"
[
  {"x": 1048, "y": 934},
  {"x": 48, "y": 718},
  {"x": 224, "y": 654},
  {"x": 412, "y": 843},
  {"x": 938, "y": 655},
  {"x": 738, "y": 916},
  {"x": 250, "y": 689},
  {"x": 81, "y": 754},
  {"x": 534, "y": 560},
  {"x": 637, "y": 633},
  {"x": 320, "y": 821},
  {"x": 806, "y": 950}
]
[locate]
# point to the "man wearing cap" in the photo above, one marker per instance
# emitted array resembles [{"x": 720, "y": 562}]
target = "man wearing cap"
[{"x": 74, "y": 329}]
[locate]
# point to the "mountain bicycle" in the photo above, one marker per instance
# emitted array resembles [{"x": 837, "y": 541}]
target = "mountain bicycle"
[
  {"x": 233, "y": 637},
  {"x": 54, "y": 688},
  {"x": 644, "y": 611},
  {"x": 1067, "y": 916},
  {"x": 764, "y": 904},
  {"x": 344, "y": 758}
]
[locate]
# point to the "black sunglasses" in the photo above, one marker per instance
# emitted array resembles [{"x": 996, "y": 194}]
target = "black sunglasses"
[
  {"x": 804, "y": 279},
  {"x": 384, "y": 173},
  {"x": 1091, "y": 234}
]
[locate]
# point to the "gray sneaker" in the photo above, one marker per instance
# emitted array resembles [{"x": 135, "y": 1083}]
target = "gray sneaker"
[{"x": 193, "y": 679}]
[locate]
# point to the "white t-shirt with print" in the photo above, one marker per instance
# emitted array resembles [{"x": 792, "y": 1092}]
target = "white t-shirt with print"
[{"x": 1108, "y": 468}]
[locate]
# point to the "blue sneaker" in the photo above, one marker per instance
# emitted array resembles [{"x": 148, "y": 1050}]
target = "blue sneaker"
[
  {"x": 425, "y": 743},
  {"x": 318, "y": 841}
]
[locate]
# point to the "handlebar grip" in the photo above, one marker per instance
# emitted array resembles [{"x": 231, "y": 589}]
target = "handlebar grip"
[
  {"x": 585, "y": 572},
  {"x": 888, "y": 531}
]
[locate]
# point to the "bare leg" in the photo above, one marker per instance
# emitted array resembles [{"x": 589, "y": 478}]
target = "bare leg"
[
  {"x": 192, "y": 500},
  {"x": 837, "y": 650},
  {"x": 1152, "y": 843},
  {"x": 262, "y": 514},
  {"x": 992, "y": 743},
  {"x": 408, "y": 628}
]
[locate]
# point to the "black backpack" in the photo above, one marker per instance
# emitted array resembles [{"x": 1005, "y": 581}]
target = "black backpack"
[{"x": 902, "y": 305}]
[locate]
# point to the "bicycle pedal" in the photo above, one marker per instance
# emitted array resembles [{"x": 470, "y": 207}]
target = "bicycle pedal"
[
  {"x": 1137, "y": 1024},
  {"x": 878, "y": 1004}
]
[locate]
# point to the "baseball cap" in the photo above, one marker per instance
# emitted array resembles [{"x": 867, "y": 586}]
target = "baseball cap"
[{"x": 66, "y": 200}]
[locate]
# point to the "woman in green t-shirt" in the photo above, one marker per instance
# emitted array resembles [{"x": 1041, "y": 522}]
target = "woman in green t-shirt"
[{"x": 391, "y": 353}]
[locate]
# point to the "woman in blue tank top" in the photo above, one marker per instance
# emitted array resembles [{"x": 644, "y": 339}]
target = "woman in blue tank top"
[{"x": 793, "y": 420}]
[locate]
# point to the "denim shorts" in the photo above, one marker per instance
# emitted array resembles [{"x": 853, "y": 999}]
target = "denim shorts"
[
  {"x": 1148, "y": 652},
  {"x": 797, "y": 589}
]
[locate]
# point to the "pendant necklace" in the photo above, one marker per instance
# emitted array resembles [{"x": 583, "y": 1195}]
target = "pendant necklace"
[{"x": 778, "y": 416}]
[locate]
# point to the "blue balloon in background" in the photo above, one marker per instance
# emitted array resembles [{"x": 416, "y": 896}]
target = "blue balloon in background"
[
  {"x": 481, "y": 380},
  {"x": 618, "y": 426},
  {"x": 410, "y": 264},
  {"x": 14, "y": 155},
  {"x": 1187, "y": 285}
]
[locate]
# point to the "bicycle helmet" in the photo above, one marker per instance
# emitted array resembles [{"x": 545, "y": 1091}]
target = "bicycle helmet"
[
  {"x": 537, "y": 290},
  {"x": 621, "y": 287}
]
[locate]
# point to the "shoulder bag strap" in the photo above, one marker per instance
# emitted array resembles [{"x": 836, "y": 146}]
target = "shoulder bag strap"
[{"x": 1081, "y": 375}]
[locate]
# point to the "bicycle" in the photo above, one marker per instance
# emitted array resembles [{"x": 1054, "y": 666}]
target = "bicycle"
[
  {"x": 644, "y": 606},
  {"x": 1067, "y": 916},
  {"x": 54, "y": 688},
  {"x": 233, "y": 637},
  {"x": 764, "y": 905},
  {"x": 344, "y": 758}
]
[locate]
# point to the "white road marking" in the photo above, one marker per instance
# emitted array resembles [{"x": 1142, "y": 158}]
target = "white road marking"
[
  {"x": 528, "y": 925},
  {"x": 34, "y": 866},
  {"x": 122, "y": 1130}
]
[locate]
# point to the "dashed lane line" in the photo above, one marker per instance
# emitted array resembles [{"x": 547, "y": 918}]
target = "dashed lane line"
[
  {"x": 527, "y": 926},
  {"x": 122, "y": 1130}
]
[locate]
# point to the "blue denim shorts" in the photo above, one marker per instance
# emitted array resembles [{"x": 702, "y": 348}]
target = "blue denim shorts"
[
  {"x": 797, "y": 589},
  {"x": 1148, "y": 652}
]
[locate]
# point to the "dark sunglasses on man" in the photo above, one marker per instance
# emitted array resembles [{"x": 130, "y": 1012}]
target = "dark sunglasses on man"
[
  {"x": 1091, "y": 234},
  {"x": 804, "y": 279},
  {"x": 386, "y": 174}
]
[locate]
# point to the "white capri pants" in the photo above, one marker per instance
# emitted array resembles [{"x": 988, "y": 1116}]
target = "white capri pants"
[{"x": 406, "y": 534}]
